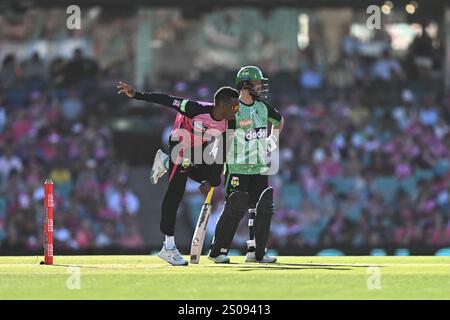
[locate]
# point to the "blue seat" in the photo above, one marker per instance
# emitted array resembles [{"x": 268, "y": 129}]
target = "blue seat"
[
  {"x": 60, "y": 94},
  {"x": 64, "y": 189},
  {"x": 15, "y": 97},
  {"x": 314, "y": 198},
  {"x": 343, "y": 184},
  {"x": 409, "y": 185},
  {"x": 385, "y": 186},
  {"x": 353, "y": 213},
  {"x": 423, "y": 174},
  {"x": 3, "y": 207},
  {"x": 35, "y": 84},
  {"x": 291, "y": 196},
  {"x": 311, "y": 234},
  {"x": 442, "y": 167}
]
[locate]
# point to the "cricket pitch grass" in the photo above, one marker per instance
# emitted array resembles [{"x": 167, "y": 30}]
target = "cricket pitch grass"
[{"x": 148, "y": 277}]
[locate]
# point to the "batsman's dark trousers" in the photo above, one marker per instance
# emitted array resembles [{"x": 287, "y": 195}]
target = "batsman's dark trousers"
[{"x": 253, "y": 184}]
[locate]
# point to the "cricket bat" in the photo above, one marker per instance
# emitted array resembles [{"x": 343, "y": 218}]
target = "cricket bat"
[{"x": 200, "y": 229}]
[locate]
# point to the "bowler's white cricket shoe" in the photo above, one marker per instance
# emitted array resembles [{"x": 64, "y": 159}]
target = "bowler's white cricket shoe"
[
  {"x": 172, "y": 256},
  {"x": 220, "y": 259},
  {"x": 250, "y": 257},
  {"x": 160, "y": 166}
]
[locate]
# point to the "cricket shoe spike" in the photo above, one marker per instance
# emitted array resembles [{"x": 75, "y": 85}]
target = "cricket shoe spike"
[
  {"x": 220, "y": 259},
  {"x": 172, "y": 256},
  {"x": 160, "y": 166},
  {"x": 250, "y": 257}
]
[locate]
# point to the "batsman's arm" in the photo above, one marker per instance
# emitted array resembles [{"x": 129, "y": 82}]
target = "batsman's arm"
[
  {"x": 279, "y": 126},
  {"x": 277, "y": 121},
  {"x": 275, "y": 117}
]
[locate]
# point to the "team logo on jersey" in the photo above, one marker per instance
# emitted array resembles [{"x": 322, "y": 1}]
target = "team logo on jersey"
[
  {"x": 185, "y": 163},
  {"x": 234, "y": 182},
  {"x": 256, "y": 133},
  {"x": 245, "y": 123},
  {"x": 199, "y": 126}
]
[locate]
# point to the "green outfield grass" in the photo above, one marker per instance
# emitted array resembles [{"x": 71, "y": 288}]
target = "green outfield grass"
[{"x": 148, "y": 277}]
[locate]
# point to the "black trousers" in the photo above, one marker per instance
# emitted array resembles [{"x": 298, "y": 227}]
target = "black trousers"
[
  {"x": 228, "y": 222},
  {"x": 254, "y": 184},
  {"x": 178, "y": 175}
]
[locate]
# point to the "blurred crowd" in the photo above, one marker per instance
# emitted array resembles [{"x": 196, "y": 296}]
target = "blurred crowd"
[
  {"x": 49, "y": 130},
  {"x": 357, "y": 174},
  {"x": 364, "y": 156}
]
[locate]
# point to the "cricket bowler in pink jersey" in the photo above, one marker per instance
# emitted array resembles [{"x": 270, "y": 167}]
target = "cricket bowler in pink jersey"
[{"x": 191, "y": 134}]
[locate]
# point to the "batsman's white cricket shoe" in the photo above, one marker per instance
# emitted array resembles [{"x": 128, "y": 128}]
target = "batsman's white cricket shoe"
[
  {"x": 250, "y": 257},
  {"x": 160, "y": 166},
  {"x": 220, "y": 259},
  {"x": 172, "y": 256}
]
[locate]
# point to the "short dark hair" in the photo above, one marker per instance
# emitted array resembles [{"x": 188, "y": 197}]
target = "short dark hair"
[{"x": 225, "y": 94}]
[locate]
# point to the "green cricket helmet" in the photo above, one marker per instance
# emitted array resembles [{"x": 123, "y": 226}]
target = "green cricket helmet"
[{"x": 245, "y": 80}]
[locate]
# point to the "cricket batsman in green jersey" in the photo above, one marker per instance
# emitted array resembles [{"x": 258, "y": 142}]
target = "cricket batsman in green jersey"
[{"x": 247, "y": 170}]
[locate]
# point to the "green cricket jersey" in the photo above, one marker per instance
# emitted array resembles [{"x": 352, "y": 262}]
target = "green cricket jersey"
[{"x": 248, "y": 149}]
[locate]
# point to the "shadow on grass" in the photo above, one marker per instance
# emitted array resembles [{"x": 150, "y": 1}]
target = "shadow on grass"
[
  {"x": 280, "y": 266},
  {"x": 328, "y": 265},
  {"x": 233, "y": 265},
  {"x": 291, "y": 268}
]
